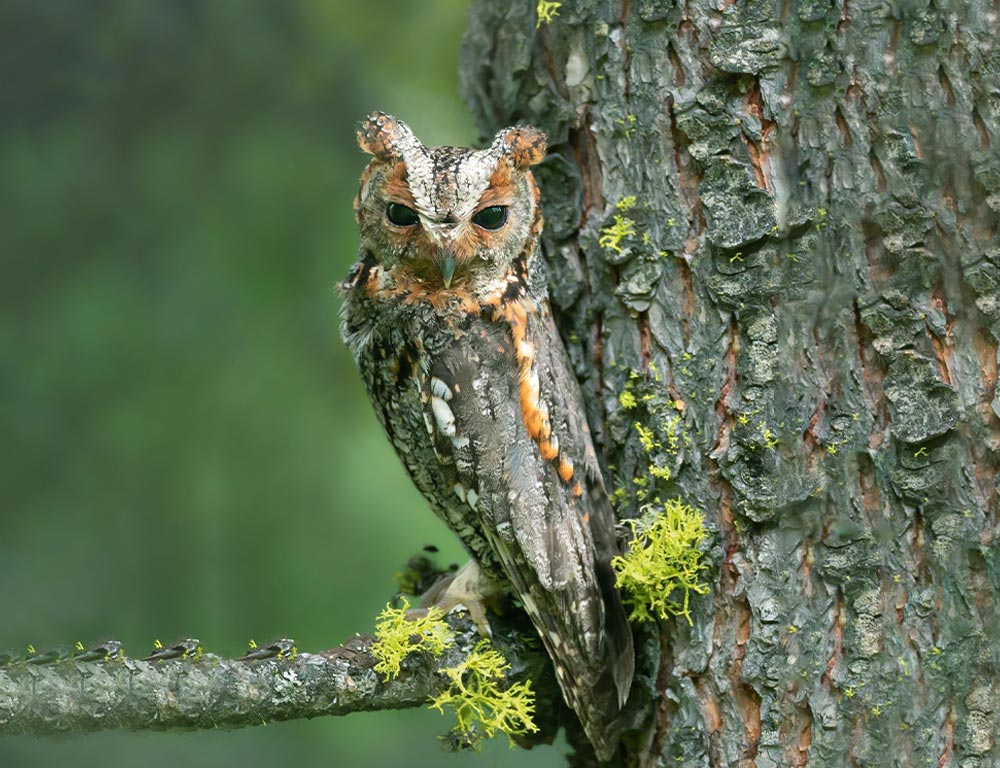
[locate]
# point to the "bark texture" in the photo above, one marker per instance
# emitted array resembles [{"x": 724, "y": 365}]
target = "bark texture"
[{"x": 800, "y": 292}]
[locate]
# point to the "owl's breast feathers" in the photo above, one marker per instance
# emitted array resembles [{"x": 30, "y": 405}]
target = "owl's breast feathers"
[{"x": 478, "y": 397}]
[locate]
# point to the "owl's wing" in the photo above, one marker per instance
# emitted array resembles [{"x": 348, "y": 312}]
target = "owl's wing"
[{"x": 553, "y": 535}]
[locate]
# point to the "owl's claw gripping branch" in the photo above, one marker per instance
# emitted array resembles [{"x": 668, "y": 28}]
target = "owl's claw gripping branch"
[{"x": 467, "y": 588}]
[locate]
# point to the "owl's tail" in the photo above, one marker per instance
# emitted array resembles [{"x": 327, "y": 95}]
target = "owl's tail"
[
  {"x": 563, "y": 577},
  {"x": 600, "y": 712},
  {"x": 597, "y": 689}
]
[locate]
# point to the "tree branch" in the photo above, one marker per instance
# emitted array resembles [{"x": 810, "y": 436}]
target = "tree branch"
[{"x": 75, "y": 696}]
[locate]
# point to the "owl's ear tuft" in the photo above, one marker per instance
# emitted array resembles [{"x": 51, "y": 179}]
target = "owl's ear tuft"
[
  {"x": 384, "y": 136},
  {"x": 524, "y": 144}
]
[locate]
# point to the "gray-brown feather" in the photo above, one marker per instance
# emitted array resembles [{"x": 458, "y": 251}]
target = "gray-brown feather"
[{"x": 525, "y": 526}]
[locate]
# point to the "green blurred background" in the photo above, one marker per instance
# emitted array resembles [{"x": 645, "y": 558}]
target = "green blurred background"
[{"x": 187, "y": 450}]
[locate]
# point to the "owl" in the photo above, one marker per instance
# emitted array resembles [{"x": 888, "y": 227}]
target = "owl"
[{"x": 446, "y": 313}]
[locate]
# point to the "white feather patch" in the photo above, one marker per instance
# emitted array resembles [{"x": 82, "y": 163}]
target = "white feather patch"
[
  {"x": 443, "y": 416},
  {"x": 440, "y": 389}
]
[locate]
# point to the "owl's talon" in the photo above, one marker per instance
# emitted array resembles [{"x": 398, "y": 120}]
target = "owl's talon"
[{"x": 467, "y": 589}]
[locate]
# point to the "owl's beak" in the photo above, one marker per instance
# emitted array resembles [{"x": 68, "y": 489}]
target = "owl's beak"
[{"x": 446, "y": 263}]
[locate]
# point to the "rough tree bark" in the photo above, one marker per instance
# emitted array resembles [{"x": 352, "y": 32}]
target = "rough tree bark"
[
  {"x": 812, "y": 189},
  {"x": 799, "y": 300}
]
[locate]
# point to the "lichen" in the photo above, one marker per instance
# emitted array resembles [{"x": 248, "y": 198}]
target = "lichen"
[
  {"x": 482, "y": 705},
  {"x": 658, "y": 422},
  {"x": 663, "y": 563},
  {"x": 627, "y": 400},
  {"x": 547, "y": 11},
  {"x": 397, "y": 636},
  {"x": 612, "y": 236}
]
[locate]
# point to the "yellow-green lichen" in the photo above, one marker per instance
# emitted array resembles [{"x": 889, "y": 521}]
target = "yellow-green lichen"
[
  {"x": 759, "y": 434},
  {"x": 397, "y": 636},
  {"x": 646, "y": 437},
  {"x": 547, "y": 11},
  {"x": 482, "y": 706},
  {"x": 667, "y": 445},
  {"x": 660, "y": 473},
  {"x": 658, "y": 423},
  {"x": 628, "y": 122},
  {"x": 770, "y": 440},
  {"x": 663, "y": 563},
  {"x": 821, "y": 221},
  {"x": 834, "y": 446},
  {"x": 612, "y": 236}
]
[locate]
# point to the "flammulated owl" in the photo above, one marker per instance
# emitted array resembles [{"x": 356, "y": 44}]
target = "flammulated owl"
[{"x": 447, "y": 315}]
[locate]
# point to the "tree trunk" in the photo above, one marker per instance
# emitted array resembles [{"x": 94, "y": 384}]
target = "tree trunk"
[{"x": 804, "y": 268}]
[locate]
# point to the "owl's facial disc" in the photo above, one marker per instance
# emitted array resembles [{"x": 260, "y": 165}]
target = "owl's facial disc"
[
  {"x": 451, "y": 241},
  {"x": 448, "y": 237},
  {"x": 448, "y": 214}
]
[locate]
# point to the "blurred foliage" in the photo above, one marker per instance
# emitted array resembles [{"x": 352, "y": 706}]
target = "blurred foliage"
[{"x": 187, "y": 448}]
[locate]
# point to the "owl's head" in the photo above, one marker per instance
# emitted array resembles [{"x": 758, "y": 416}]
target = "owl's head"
[{"x": 447, "y": 215}]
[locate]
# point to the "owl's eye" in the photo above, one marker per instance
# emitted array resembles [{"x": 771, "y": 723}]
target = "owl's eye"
[
  {"x": 401, "y": 216},
  {"x": 493, "y": 217}
]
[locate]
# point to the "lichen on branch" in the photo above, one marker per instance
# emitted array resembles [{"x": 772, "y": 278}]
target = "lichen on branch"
[
  {"x": 483, "y": 701},
  {"x": 400, "y": 635}
]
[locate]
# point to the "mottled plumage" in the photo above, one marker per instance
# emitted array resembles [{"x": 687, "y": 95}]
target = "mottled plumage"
[{"x": 447, "y": 315}]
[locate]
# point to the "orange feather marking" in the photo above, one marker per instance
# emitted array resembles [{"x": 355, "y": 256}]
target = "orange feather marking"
[
  {"x": 565, "y": 469},
  {"x": 534, "y": 410},
  {"x": 547, "y": 450}
]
